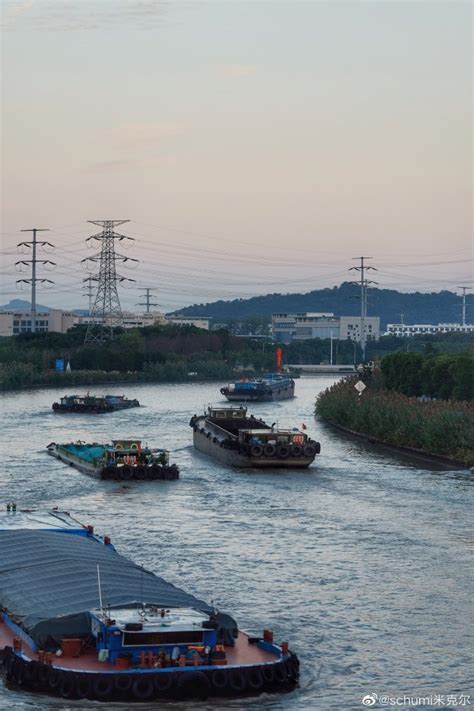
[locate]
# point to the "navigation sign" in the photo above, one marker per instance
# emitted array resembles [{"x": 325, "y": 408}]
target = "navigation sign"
[{"x": 360, "y": 386}]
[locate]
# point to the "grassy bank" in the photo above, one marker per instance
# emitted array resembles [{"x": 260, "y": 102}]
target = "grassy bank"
[{"x": 442, "y": 428}]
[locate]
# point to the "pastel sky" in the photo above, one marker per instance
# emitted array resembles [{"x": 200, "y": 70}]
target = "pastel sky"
[{"x": 255, "y": 147}]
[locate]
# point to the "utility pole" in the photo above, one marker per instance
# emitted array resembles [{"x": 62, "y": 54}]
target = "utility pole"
[
  {"x": 464, "y": 289},
  {"x": 107, "y": 304},
  {"x": 147, "y": 298},
  {"x": 89, "y": 290},
  {"x": 362, "y": 268},
  {"x": 33, "y": 244}
]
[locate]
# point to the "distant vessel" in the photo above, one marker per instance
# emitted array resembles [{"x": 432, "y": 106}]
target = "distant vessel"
[
  {"x": 78, "y": 620},
  {"x": 239, "y": 440},
  {"x": 123, "y": 459},
  {"x": 272, "y": 386},
  {"x": 93, "y": 403}
]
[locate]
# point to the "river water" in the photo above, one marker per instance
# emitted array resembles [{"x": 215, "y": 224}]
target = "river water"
[{"x": 363, "y": 562}]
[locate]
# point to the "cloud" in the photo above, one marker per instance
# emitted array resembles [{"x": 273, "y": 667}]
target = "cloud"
[
  {"x": 111, "y": 165},
  {"x": 144, "y": 132},
  {"x": 236, "y": 71}
]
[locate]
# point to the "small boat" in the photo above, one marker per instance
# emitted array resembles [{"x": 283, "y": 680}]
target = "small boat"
[
  {"x": 122, "y": 459},
  {"x": 78, "y": 620},
  {"x": 272, "y": 386},
  {"x": 229, "y": 434},
  {"x": 93, "y": 403}
]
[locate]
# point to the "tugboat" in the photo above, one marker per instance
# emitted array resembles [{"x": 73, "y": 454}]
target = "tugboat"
[
  {"x": 272, "y": 386},
  {"x": 92, "y": 403},
  {"x": 78, "y": 620},
  {"x": 123, "y": 459},
  {"x": 235, "y": 438}
]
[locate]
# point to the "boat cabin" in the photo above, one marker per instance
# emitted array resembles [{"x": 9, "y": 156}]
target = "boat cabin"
[
  {"x": 127, "y": 633},
  {"x": 271, "y": 436},
  {"x": 227, "y": 413}
]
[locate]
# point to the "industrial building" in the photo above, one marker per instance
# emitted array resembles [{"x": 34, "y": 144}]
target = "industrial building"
[
  {"x": 404, "y": 330},
  {"x": 288, "y": 327}
]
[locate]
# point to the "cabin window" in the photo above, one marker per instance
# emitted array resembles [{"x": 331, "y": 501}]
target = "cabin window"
[{"x": 140, "y": 639}]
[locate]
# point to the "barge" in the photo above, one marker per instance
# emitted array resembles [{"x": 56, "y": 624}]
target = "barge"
[
  {"x": 272, "y": 386},
  {"x": 122, "y": 460},
  {"x": 93, "y": 403},
  {"x": 78, "y": 620},
  {"x": 235, "y": 438}
]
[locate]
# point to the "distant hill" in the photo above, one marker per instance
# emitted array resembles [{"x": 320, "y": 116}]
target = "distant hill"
[
  {"x": 435, "y": 307},
  {"x": 21, "y": 305}
]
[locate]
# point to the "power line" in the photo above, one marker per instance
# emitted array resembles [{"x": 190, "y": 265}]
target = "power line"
[
  {"x": 107, "y": 303},
  {"x": 33, "y": 245}
]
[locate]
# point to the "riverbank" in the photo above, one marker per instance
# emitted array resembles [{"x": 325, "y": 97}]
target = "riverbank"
[{"x": 442, "y": 430}]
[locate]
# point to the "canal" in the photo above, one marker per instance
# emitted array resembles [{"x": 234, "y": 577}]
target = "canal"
[{"x": 363, "y": 562}]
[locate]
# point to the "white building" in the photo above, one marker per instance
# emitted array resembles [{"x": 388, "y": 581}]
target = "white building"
[
  {"x": 14, "y": 322},
  {"x": 404, "y": 330},
  {"x": 198, "y": 321},
  {"x": 288, "y": 327}
]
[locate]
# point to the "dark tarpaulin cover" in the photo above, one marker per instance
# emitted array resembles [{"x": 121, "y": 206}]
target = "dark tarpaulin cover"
[{"x": 48, "y": 583}]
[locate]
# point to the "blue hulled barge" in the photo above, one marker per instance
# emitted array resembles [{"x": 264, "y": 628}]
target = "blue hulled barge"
[
  {"x": 272, "y": 386},
  {"x": 78, "y": 620}
]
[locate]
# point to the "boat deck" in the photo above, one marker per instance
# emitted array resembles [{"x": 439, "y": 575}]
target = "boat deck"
[{"x": 242, "y": 654}]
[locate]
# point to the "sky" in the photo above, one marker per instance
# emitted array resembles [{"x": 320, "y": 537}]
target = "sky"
[{"x": 255, "y": 147}]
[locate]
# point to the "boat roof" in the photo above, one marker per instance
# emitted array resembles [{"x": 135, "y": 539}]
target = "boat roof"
[
  {"x": 49, "y": 582},
  {"x": 275, "y": 430}
]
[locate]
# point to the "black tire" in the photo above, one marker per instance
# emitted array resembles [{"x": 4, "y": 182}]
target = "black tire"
[
  {"x": 280, "y": 674},
  {"x": 83, "y": 685},
  {"x": 268, "y": 674},
  {"x": 156, "y": 472},
  {"x": 256, "y": 451},
  {"x": 237, "y": 680},
  {"x": 164, "y": 681},
  {"x": 108, "y": 473},
  {"x": 222, "y": 392},
  {"x": 55, "y": 678},
  {"x": 67, "y": 687},
  {"x": 126, "y": 473},
  {"x": 140, "y": 473},
  {"x": 255, "y": 679},
  {"x": 309, "y": 450},
  {"x": 318, "y": 447},
  {"x": 30, "y": 674},
  {"x": 102, "y": 686},
  {"x": 193, "y": 685},
  {"x": 269, "y": 450},
  {"x": 123, "y": 682},
  {"x": 296, "y": 450},
  {"x": 43, "y": 674},
  {"x": 283, "y": 451},
  {"x": 143, "y": 687},
  {"x": 219, "y": 679}
]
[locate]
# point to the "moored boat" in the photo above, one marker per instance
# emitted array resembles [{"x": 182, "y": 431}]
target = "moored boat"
[
  {"x": 79, "y": 620},
  {"x": 235, "y": 438},
  {"x": 122, "y": 459},
  {"x": 93, "y": 403}
]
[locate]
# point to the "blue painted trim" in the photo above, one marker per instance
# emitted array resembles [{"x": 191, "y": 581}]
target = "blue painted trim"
[{"x": 19, "y": 632}]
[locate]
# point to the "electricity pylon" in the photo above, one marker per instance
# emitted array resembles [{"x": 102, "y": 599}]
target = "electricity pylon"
[
  {"x": 106, "y": 312},
  {"x": 364, "y": 283},
  {"x": 33, "y": 244},
  {"x": 147, "y": 298}
]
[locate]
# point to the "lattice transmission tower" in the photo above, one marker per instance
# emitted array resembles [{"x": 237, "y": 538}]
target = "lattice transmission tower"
[
  {"x": 106, "y": 311},
  {"x": 22, "y": 264}
]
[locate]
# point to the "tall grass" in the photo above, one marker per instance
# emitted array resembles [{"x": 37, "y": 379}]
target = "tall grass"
[{"x": 437, "y": 427}]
